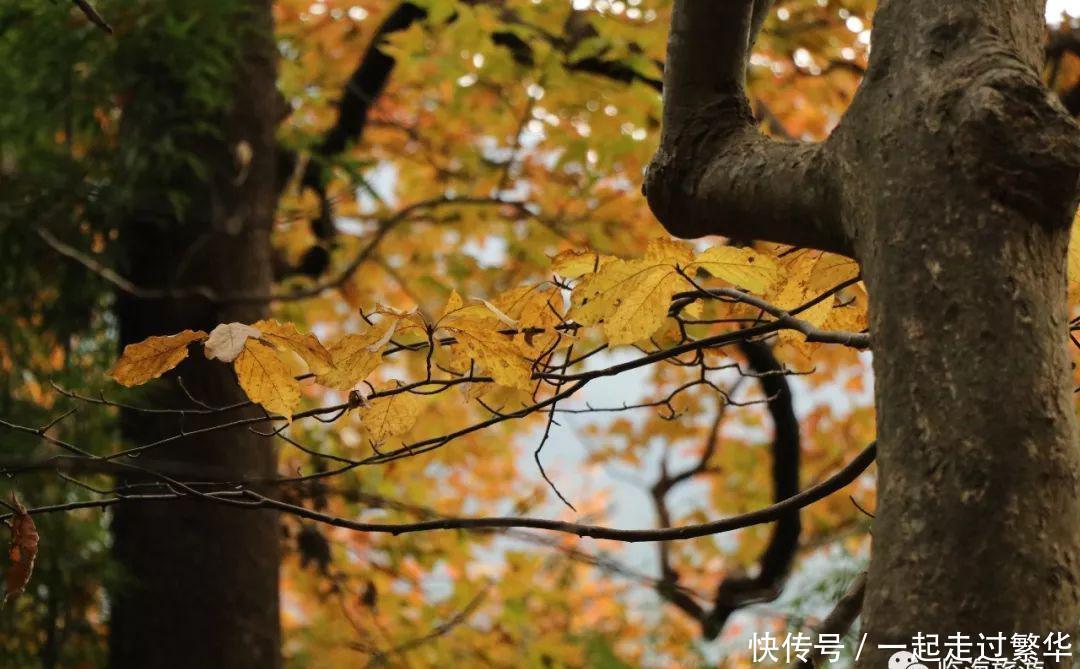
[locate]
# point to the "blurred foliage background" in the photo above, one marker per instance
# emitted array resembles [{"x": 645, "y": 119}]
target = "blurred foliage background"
[{"x": 551, "y": 106}]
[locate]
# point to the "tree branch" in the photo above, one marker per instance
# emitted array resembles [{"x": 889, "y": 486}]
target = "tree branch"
[
  {"x": 251, "y": 500},
  {"x": 775, "y": 562},
  {"x": 715, "y": 172},
  {"x": 92, "y": 14},
  {"x": 840, "y": 619}
]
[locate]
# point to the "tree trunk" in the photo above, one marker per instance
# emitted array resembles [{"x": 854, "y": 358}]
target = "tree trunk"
[
  {"x": 952, "y": 179},
  {"x": 199, "y": 581},
  {"x": 963, "y": 202}
]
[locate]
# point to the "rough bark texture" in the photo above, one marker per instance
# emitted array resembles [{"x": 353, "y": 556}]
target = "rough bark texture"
[
  {"x": 961, "y": 209},
  {"x": 199, "y": 586},
  {"x": 952, "y": 179}
]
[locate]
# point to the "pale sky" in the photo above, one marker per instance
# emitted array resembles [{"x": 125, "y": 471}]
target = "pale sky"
[{"x": 1054, "y": 9}]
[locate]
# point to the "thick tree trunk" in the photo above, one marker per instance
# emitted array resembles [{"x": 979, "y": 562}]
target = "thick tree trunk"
[
  {"x": 199, "y": 581},
  {"x": 952, "y": 179},
  {"x": 962, "y": 198}
]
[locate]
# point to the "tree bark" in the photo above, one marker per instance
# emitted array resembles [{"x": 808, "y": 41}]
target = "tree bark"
[
  {"x": 952, "y": 179},
  {"x": 199, "y": 581}
]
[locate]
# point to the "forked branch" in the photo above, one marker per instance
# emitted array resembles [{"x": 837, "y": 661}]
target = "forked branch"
[{"x": 715, "y": 172}]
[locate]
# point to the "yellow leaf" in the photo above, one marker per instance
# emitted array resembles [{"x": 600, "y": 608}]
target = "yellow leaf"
[
  {"x": 808, "y": 274},
  {"x": 831, "y": 270},
  {"x": 452, "y": 304},
  {"x": 596, "y": 294},
  {"x": 153, "y": 357},
  {"x": 642, "y": 305},
  {"x": 492, "y": 351},
  {"x": 355, "y": 356},
  {"x": 573, "y": 264},
  {"x": 665, "y": 250},
  {"x": 744, "y": 268},
  {"x": 386, "y": 417},
  {"x": 852, "y": 316},
  {"x": 227, "y": 340},
  {"x": 286, "y": 336},
  {"x": 632, "y": 297},
  {"x": 815, "y": 315},
  {"x": 266, "y": 379},
  {"x": 536, "y": 312}
]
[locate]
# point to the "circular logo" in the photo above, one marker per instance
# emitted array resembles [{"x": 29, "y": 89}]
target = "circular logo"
[{"x": 904, "y": 659}]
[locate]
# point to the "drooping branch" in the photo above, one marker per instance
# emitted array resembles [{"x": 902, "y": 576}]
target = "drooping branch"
[
  {"x": 734, "y": 593},
  {"x": 715, "y": 172},
  {"x": 249, "y": 499},
  {"x": 775, "y": 561}
]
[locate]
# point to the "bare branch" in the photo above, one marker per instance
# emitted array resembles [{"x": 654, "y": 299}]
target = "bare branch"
[
  {"x": 92, "y": 14},
  {"x": 253, "y": 500},
  {"x": 840, "y": 619}
]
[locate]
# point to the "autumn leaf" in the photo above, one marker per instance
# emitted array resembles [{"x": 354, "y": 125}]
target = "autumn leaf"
[
  {"x": 573, "y": 264},
  {"x": 21, "y": 552},
  {"x": 744, "y": 268},
  {"x": 152, "y": 357},
  {"x": 667, "y": 250},
  {"x": 227, "y": 341},
  {"x": 536, "y": 312},
  {"x": 478, "y": 340},
  {"x": 494, "y": 352},
  {"x": 456, "y": 309},
  {"x": 454, "y": 303},
  {"x": 391, "y": 415},
  {"x": 307, "y": 346},
  {"x": 850, "y": 312},
  {"x": 266, "y": 379},
  {"x": 808, "y": 275},
  {"x": 632, "y": 297},
  {"x": 355, "y": 356}
]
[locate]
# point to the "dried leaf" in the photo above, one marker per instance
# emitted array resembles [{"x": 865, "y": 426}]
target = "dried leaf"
[
  {"x": 506, "y": 320},
  {"x": 21, "y": 553},
  {"x": 266, "y": 379},
  {"x": 286, "y": 336},
  {"x": 152, "y": 357},
  {"x": 389, "y": 416},
  {"x": 227, "y": 340}
]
